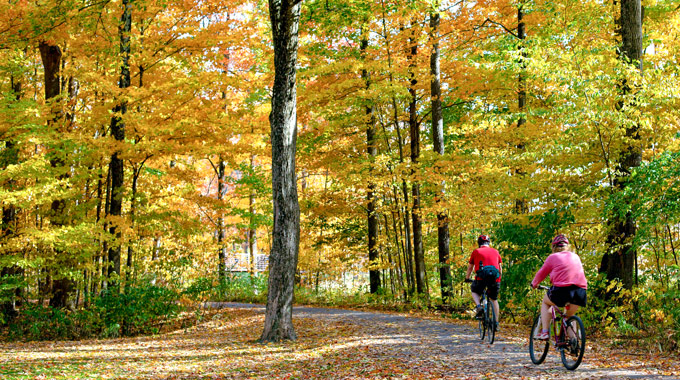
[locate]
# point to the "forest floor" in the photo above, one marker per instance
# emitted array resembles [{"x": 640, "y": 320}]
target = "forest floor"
[{"x": 331, "y": 344}]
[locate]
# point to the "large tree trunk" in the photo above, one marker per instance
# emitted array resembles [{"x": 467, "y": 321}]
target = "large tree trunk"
[
  {"x": 438, "y": 141},
  {"x": 278, "y": 324},
  {"x": 414, "y": 129},
  {"x": 118, "y": 131},
  {"x": 51, "y": 58},
  {"x": 619, "y": 261},
  {"x": 374, "y": 273}
]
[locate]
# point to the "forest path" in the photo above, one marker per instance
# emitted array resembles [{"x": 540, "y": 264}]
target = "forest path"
[
  {"x": 454, "y": 350},
  {"x": 331, "y": 344}
]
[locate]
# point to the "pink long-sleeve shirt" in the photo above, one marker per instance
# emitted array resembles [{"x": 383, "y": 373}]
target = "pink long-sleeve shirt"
[{"x": 564, "y": 268}]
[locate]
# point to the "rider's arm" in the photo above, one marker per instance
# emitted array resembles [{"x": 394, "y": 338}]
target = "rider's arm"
[
  {"x": 469, "y": 270},
  {"x": 542, "y": 273}
]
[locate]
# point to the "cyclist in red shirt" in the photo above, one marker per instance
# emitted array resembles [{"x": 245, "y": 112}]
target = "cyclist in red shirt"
[{"x": 488, "y": 257}]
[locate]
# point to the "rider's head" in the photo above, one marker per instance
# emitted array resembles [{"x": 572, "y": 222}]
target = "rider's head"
[
  {"x": 483, "y": 240},
  {"x": 560, "y": 243}
]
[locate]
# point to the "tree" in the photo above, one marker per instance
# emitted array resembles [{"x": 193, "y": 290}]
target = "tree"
[
  {"x": 9, "y": 155},
  {"x": 278, "y": 324},
  {"x": 118, "y": 131},
  {"x": 414, "y": 131},
  {"x": 619, "y": 260},
  {"x": 374, "y": 273},
  {"x": 52, "y": 61},
  {"x": 438, "y": 145}
]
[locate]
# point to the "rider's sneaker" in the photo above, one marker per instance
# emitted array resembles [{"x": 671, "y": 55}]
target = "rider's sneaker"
[
  {"x": 479, "y": 312},
  {"x": 543, "y": 335},
  {"x": 497, "y": 326}
]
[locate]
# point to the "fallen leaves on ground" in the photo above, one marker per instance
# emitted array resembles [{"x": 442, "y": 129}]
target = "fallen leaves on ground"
[{"x": 225, "y": 347}]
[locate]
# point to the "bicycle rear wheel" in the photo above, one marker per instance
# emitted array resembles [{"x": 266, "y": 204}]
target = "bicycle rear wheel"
[
  {"x": 490, "y": 319},
  {"x": 482, "y": 321},
  {"x": 572, "y": 354},
  {"x": 538, "y": 349},
  {"x": 482, "y": 327}
]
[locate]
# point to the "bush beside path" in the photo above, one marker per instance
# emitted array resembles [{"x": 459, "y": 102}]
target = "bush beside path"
[{"x": 332, "y": 343}]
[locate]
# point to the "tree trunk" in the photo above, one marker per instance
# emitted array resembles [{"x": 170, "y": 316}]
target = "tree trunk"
[
  {"x": 374, "y": 274},
  {"x": 521, "y": 206},
  {"x": 133, "y": 212},
  {"x": 278, "y": 324},
  {"x": 445, "y": 280},
  {"x": 414, "y": 130},
  {"x": 51, "y": 58},
  {"x": 252, "y": 229},
  {"x": 619, "y": 261},
  {"x": 221, "y": 248},
  {"x": 9, "y": 155},
  {"x": 118, "y": 131}
]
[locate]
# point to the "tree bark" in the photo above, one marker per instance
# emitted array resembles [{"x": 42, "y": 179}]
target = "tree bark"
[
  {"x": 136, "y": 171},
  {"x": 619, "y": 261},
  {"x": 221, "y": 249},
  {"x": 414, "y": 130},
  {"x": 521, "y": 206},
  {"x": 10, "y": 156},
  {"x": 278, "y": 324},
  {"x": 51, "y": 58},
  {"x": 445, "y": 279},
  {"x": 252, "y": 229},
  {"x": 118, "y": 131},
  {"x": 374, "y": 274}
]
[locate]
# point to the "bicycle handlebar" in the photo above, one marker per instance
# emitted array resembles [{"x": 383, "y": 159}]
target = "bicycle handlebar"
[
  {"x": 542, "y": 287},
  {"x": 467, "y": 280}
]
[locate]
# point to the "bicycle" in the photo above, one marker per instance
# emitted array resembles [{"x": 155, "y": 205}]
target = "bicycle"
[
  {"x": 569, "y": 336},
  {"x": 487, "y": 324}
]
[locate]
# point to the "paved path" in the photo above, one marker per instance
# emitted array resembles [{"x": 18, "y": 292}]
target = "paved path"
[{"x": 457, "y": 346}]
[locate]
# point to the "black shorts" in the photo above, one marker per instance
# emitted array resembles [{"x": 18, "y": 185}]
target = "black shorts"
[
  {"x": 492, "y": 287},
  {"x": 572, "y": 294}
]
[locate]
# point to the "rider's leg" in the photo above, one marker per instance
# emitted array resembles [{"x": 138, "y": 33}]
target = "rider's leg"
[
  {"x": 545, "y": 312},
  {"x": 496, "y": 309},
  {"x": 476, "y": 298},
  {"x": 571, "y": 311}
]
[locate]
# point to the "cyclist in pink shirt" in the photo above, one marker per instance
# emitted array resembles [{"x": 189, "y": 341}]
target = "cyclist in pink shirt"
[{"x": 568, "y": 280}]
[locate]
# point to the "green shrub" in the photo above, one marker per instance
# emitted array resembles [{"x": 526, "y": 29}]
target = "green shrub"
[
  {"x": 36, "y": 322},
  {"x": 140, "y": 310},
  {"x": 237, "y": 287}
]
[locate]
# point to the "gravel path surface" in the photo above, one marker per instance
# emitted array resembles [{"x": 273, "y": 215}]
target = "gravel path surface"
[{"x": 456, "y": 346}]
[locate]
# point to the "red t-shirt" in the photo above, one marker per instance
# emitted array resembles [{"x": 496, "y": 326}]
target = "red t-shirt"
[{"x": 488, "y": 256}]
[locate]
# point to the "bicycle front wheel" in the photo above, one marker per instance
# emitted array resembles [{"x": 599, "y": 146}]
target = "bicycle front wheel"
[
  {"x": 538, "y": 349},
  {"x": 490, "y": 319},
  {"x": 575, "y": 337}
]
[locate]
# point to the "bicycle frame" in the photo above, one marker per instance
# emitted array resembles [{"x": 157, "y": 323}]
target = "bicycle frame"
[{"x": 560, "y": 341}]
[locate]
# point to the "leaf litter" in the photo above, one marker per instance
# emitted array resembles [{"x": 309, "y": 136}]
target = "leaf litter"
[{"x": 332, "y": 344}]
